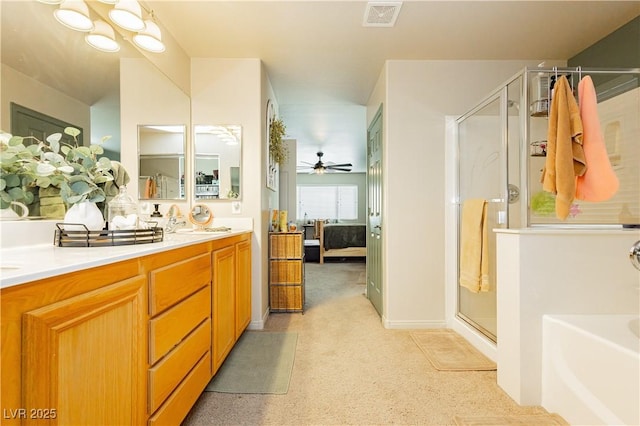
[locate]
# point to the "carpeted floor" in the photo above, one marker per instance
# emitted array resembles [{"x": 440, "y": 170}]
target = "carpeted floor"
[{"x": 349, "y": 370}]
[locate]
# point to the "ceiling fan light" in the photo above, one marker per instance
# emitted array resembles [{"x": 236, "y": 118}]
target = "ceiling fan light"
[
  {"x": 128, "y": 15},
  {"x": 150, "y": 38},
  {"x": 108, "y": 1},
  {"x": 74, "y": 14},
  {"x": 50, "y": 1},
  {"x": 102, "y": 37}
]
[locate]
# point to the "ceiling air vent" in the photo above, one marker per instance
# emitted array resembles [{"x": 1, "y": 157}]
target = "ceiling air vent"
[{"x": 381, "y": 14}]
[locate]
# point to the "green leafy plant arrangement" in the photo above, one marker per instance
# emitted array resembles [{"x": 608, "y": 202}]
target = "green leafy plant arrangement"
[
  {"x": 277, "y": 149},
  {"x": 77, "y": 171}
]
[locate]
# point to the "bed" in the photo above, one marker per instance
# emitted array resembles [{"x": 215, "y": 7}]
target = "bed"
[{"x": 342, "y": 240}]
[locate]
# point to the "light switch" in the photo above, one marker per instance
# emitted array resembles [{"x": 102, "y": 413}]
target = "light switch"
[
  {"x": 502, "y": 217},
  {"x": 235, "y": 207}
]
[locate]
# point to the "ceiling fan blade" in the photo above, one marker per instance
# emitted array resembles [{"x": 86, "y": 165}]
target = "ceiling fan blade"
[
  {"x": 306, "y": 162},
  {"x": 341, "y": 165},
  {"x": 338, "y": 169}
]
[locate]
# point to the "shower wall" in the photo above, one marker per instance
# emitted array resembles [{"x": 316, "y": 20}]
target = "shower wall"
[{"x": 501, "y": 150}]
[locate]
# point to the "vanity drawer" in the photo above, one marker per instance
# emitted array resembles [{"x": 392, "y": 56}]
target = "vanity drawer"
[
  {"x": 168, "y": 373},
  {"x": 172, "y": 283},
  {"x": 170, "y": 327},
  {"x": 177, "y": 406}
]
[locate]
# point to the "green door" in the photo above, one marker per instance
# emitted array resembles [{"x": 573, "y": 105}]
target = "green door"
[{"x": 374, "y": 212}]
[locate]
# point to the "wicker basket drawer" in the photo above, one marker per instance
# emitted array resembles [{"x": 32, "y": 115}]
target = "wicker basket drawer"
[
  {"x": 285, "y": 271},
  {"x": 286, "y": 245},
  {"x": 286, "y": 297}
]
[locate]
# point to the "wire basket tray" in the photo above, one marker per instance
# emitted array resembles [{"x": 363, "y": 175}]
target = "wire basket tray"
[{"x": 104, "y": 238}]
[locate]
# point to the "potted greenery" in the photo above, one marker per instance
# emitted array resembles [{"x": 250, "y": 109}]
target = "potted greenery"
[
  {"x": 74, "y": 172},
  {"x": 277, "y": 149}
]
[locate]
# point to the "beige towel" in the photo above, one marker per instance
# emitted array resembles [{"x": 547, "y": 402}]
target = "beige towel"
[
  {"x": 120, "y": 177},
  {"x": 474, "y": 246},
  {"x": 565, "y": 155}
]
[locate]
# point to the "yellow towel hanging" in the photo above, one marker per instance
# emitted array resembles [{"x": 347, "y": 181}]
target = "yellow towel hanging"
[{"x": 474, "y": 250}]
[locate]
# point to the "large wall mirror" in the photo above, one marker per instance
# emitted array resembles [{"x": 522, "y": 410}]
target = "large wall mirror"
[
  {"x": 50, "y": 69},
  {"x": 218, "y": 153},
  {"x": 161, "y": 154}
]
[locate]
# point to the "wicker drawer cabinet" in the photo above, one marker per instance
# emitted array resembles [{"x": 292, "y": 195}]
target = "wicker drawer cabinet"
[{"x": 286, "y": 271}]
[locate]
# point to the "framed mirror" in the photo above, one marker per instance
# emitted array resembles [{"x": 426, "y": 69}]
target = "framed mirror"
[
  {"x": 201, "y": 216},
  {"x": 217, "y": 166},
  {"x": 161, "y": 162}
]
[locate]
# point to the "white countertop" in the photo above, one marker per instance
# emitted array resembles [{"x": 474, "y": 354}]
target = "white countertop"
[
  {"x": 567, "y": 230},
  {"x": 19, "y": 265}
]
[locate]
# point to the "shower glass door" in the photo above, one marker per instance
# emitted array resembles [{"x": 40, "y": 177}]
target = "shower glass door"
[{"x": 483, "y": 174}]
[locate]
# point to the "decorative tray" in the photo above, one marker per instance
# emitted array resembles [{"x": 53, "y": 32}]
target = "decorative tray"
[{"x": 104, "y": 238}]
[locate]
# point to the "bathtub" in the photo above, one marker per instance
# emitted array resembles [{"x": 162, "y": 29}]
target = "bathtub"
[{"x": 591, "y": 368}]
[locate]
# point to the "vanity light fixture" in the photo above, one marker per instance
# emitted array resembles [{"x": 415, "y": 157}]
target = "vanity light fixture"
[
  {"x": 128, "y": 15},
  {"x": 102, "y": 37},
  {"x": 150, "y": 38},
  {"x": 74, "y": 14}
]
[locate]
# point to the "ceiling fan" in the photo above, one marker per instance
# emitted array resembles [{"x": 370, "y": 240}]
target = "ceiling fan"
[{"x": 329, "y": 167}]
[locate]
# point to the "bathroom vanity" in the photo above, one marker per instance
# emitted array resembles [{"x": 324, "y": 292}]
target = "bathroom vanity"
[{"x": 121, "y": 335}]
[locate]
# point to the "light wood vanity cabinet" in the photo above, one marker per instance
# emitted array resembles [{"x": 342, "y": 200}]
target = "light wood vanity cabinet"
[
  {"x": 132, "y": 342},
  {"x": 179, "y": 329},
  {"x": 231, "y": 295},
  {"x": 243, "y": 286},
  {"x": 224, "y": 325},
  {"x": 74, "y": 348}
]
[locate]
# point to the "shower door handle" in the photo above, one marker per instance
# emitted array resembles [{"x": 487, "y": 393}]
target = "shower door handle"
[{"x": 514, "y": 193}]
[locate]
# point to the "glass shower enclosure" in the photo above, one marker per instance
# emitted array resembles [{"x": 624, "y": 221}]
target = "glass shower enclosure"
[
  {"x": 488, "y": 168},
  {"x": 501, "y": 148}
]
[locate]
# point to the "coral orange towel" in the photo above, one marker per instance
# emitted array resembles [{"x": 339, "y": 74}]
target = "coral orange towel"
[
  {"x": 599, "y": 182},
  {"x": 565, "y": 155},
  {"x": 150, "y": 188},
  {"x": 474, "y": 241}
]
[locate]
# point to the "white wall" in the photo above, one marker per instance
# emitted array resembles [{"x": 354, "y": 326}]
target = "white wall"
[
  {"x": 287, "y": 184},
  {"x": 419, "y": 94},
  {"x": 269, "y": 199},
  {"x": 227, "y": 91},
  {"x": 147, "y": 97}
]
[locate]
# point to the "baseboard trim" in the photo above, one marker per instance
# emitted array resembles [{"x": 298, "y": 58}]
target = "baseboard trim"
[
  {"x": 407, "y": 324},
  {"x": 259, "y": 325}
]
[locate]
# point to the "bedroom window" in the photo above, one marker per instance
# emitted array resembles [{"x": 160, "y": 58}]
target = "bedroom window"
[{"x": 328, "y": 202}]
